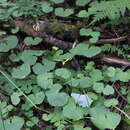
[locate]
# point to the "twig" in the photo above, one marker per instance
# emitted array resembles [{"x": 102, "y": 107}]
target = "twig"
[
  {"x": 113, "y": 85},
  {"x": 126, "y": 115},
  {"x": 74, "y": 44},
  {"x": 113, "y": 40},
  {"x": 113, "y": 60}
]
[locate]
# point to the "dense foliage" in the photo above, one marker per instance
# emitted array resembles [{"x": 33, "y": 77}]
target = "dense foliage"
[{"x": 71, "y": 83}]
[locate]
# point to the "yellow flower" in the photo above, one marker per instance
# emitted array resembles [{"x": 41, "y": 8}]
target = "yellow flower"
[{"x": 36, "y": 27}]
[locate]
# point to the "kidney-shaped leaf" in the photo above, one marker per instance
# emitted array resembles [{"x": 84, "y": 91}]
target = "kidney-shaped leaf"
[
  {"x": 14, "y": 123},
  {"x": 46, "y": 7},
  {"x": 57, "y": 99},
  {"x": 15, "y": 98},
  {"x": 90, "y": 32},
  {"x": 104, "y": 119},
  {"x": 31, "y": 41},
  {"x": 63, "y": 13},
  {"x": 9, "y": 42},
  {"x": 82, "y": 2},
  {"x": 45, "y": 80},
  {"x": 64, "y": 73},
  {"x": 37, "y": 98},
  {"x": 21, "y": 72},
  {"x": 72, "y": 111},
  {"x": 85, "y": 50}
]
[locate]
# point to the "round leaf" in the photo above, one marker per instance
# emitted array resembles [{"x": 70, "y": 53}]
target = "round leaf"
[
  {"x": 108, "y": 90},
  {"x": 45, "y": 80},
  {"x": 98, "y": 87},
  {"x": 31, "y": 41},
  {"x": 57, "y": 99},
  {"x": 15, "y": 98},
  {"x": 71, "y": 111},
  {"x": 46, "y": 7},
  {"x": 82, "y": 2},
  {"x": 111, "y": 102},
  {"x": 63, "y": 13},
  {"x": 37, "y": 98},
  {"x": 9, "y": 42},
  {"x": 104, "y": 119},
  {"x": 64, "y": 73},
  {"x": 21, "y": 72}
]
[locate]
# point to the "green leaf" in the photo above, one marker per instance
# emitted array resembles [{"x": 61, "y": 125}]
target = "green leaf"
[
  {"x": 98, "y": 87},
  {"x": 108, "y": 90},
  {"x": 2, "y": 33},
  {"x": 3, "y": 1},
  {"x": 21, "y": 72},
  {"x": 46, "y": 7},
  {"x": 71, "y": 111},
  {"x": 45, "y": 117},
  {"x": 5, "y": 109},
  {"x": 83, "y": 14},
  {"x": 85, "y": 82},
  {"x": 122, "y": 76},
  {"x": 45, "y": 80},
  {"x": 17, "y": 13},
  {"x": 89, "y": 32},
  {"x": 90, "y": 66},
  {"x": 31, "y": 41},
  {"x": 85, "y": 50},
  {"x": 15, "y": 30},
  {"x": 80, "y": 127},
  {"x": 56, "y": 98},
  {"x": 48, "y": 65},
  {"x": 15, "y": 98},
  {"x": 111, "y": 102},
  {"x": 111, "y": 71},
  {"x": 14, "y": 57},
  {"x": 33, "y": 121},
  {"x": 63, "y": 12},
  {"x": 37, "y": 98},
  {"x": 104, "y": 119},
  {"x": 92, "y": 95},
  {"x": 9, "y": 42},
  {"x": 34, "y": 52},
  {"x": 57, "y": 1},
  {"x": 28, "y": 59},
  {"x": 38, "y": 68},
  {"x": 82, "y": 2},
  {"x": 96, "y": 75},
  {"x": 14, "y": 123},
  {"x": 63, "y": 73}
]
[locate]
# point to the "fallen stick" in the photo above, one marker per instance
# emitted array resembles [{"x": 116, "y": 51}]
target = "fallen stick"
[
  {"x": 28, "y": 29},
  {"x": 118, "y": 61},
  {"x": 113, "y": 40}
]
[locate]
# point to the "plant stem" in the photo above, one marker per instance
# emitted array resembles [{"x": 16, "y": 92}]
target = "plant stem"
[
  {"x": 125, "y": 114},
  {"x": 22, "y": 92}
]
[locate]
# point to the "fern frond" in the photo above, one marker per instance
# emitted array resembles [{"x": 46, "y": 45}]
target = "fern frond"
[
  {"x": 108, "y": 9},
  {"x": 112, "y": 48}
]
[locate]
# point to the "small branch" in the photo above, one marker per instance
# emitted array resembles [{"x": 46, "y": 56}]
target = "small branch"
[
  {"x": 125, "y": 114},
  {"x": 113, "y": 85},
  {"x": 28, "y": 29},
  {"x": 113, "y": 40},
  {"x": 118, "y": 61},
  {"x": 44, "y": 30}
]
